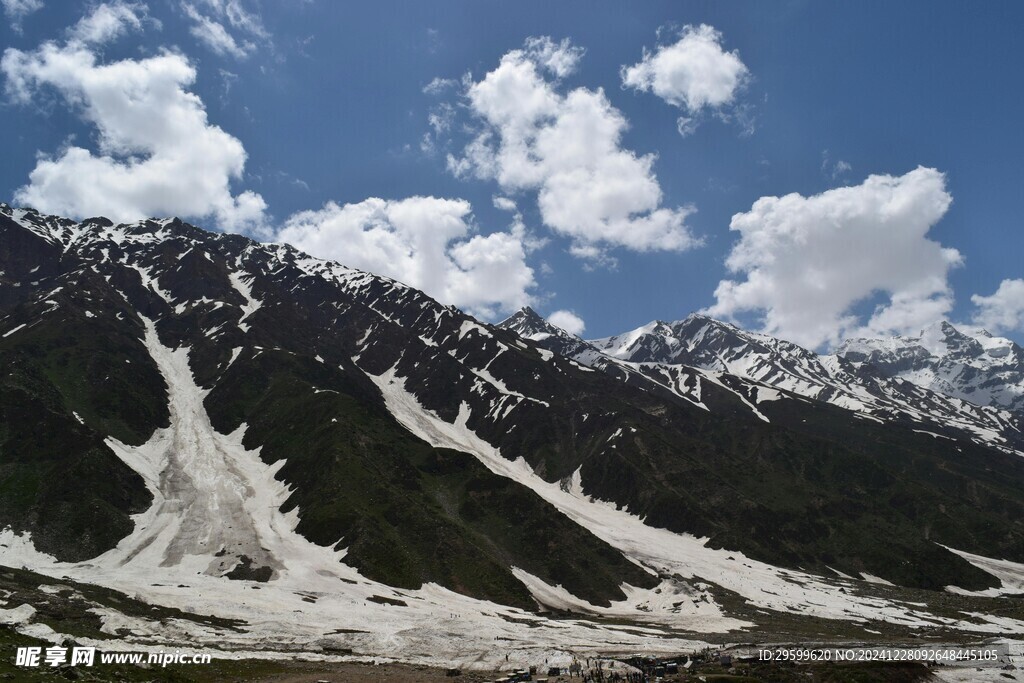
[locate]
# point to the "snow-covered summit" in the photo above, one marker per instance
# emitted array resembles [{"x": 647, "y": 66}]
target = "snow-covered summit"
[
  {"x": 699, "y": 341},
  {"x": 960, "y": 361},
  {"x": 686, "y": 354},
  {"x": 529, "y": 324}
]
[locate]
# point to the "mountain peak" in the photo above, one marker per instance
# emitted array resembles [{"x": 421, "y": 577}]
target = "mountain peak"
[
  {"x": 521, "y": 319},
  {"x": 960, "y": 361},
  {"x": 940, "y": 327},
  {"x": 526, "y": 322},
  {"x": 528, "y": 312}
]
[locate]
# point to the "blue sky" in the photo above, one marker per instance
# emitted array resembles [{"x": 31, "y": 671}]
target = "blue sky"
[{"x": 314, "y": 107}]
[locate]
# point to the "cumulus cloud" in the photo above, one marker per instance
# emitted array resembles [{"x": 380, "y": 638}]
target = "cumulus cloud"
[
  {"x": 560, "y": 59},
  {"x": 694, "y": 74},
  {"x": 568, "y": 321},
  {"x": 806, "y": 262},
  {"x": 1002, "y": 311},
  {"x": 16, "y": 10},
  {"x": 567, "y": 148},
  {"x": 425, "y": 242},
  {"x": 157, "y": 154}
]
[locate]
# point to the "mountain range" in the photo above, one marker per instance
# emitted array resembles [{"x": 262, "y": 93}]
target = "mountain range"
[
  {"x": 966, "y": 363},
  {"x": 866, "y": 377},
  {"x": 186, "y": 413}
]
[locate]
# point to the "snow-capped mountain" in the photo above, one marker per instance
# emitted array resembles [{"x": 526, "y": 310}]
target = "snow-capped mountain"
[
  {"x": 966, "y": 363},
  {"x": 528, "y": 324},
  {"x": 725, "y": 395},
  {"x": 193, "y": 416},
  {"x": 849, "y": 379}
]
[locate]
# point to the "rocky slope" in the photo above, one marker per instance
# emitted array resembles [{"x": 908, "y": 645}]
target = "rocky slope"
[{"x": 224, "y": 409}]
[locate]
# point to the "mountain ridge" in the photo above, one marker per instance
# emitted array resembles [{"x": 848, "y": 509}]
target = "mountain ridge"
[
  {"x": 974, "y": 365},
  {"x": 429, "y": 449},
  {"x": 845, "y": 379}
]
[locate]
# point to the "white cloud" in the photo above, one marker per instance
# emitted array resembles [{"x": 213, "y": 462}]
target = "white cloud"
[
  {"x": 157, "y": 152},
  {"x": 16, "y": 10},
  {"x": 439, "y": 85},
  {"x": 107, "y": 22},
  {"x": 686, "y": 125},
  {"x": 1002, "y": 311},
  {"x": 567, "y": 148},
  {"x": 433, "y": 40},
  {"x": 807, "y": 261},
  {"x": 238, "y": 16},
  {"x": 833, "y": 170},
  {"x": 425, "y": 242},
  {"x": 694, "y": 74},
  {"x": 505, "y": 204},
  {"x": 441, "y": 118},
  {"x": 560, "y": 59},
  {"x": 594, "y": 257},
  {"x": 213, "y": 34},
  {"x": 213, "y": 29},
  {"x": 568, "y": 321}
]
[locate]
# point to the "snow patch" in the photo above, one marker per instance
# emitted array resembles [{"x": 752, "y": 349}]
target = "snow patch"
[
  {"x": 1010, "y": 574},
  {"x": 242, "y": 282},
  {"x": 659, "y": 550}
]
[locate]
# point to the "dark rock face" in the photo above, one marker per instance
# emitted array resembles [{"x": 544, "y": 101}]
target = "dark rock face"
[
  {"x": 275, "y": 350},
  {"x": 291, "y": 346}
]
